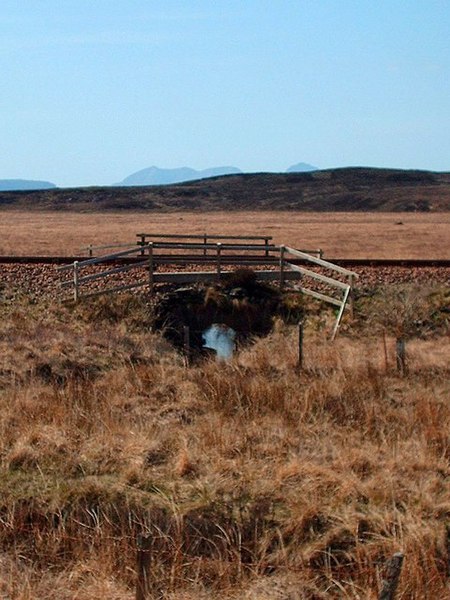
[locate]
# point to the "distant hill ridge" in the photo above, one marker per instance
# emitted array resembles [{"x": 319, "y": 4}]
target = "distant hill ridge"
[
  {"x": 360, "y": 189},
  {"x": 149, "y": 176},
  {"x": 25, "y": 184},
  {"x": 301, "y": 168},
  {"x": 157, "y": 176}
]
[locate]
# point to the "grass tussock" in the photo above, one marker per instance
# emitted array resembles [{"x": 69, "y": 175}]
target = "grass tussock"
[{"x": 252, "y": 478}]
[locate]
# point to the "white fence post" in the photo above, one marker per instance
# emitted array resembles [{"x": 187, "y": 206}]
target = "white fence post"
[
  {"x": 351, "y": 296},
  {"x": 219, "y": 251}
]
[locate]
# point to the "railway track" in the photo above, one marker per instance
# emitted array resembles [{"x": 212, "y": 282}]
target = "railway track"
[
  {"x": 38, "y": 277},
  {"x": 235, "y": 260}
]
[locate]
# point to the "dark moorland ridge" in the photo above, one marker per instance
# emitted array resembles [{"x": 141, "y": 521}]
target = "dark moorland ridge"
[{"x": 348, "y": 189}]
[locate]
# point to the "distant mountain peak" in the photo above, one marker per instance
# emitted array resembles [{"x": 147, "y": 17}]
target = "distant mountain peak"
[
  {"x": 301, "y": 168},
  {"x": 156, "y": 176}
]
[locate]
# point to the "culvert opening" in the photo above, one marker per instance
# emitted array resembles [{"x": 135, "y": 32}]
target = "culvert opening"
[
  {"x": 220, "y": 338},
  {"x": 224, "y": 315}
]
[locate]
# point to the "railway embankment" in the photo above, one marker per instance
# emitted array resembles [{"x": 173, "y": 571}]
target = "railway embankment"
[{"x": 42, "y": 279}]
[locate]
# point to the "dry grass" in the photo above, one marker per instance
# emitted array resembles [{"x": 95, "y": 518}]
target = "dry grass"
[
  {"x": 353, "y": 235},
  {"x": 256, "y": 481}
]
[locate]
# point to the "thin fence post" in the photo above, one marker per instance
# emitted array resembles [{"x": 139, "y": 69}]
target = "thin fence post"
[
  {"x": 392, "y": 575},
  {"x": 150, "y": 267},
  {"x": 320, "y": 252},
  {"x": 219, "y": 252},
  {"x": 300, "y": 346},
  {"x": 400, "y": 351},
  {"x": 266, "y": 242},
  {"x": 76, "y": 294},
  {"x": 385, "y": 351},
  {"x": 205, "y": 241},
  {"x": 90, "y": 250},
  {"x": 187, "y": 344},
  {"x": 143, "y": 567},
  {"x": 351, "y": 296},
  {"x": 282, "y": 251},
  {"x": 142, "y": 244}
]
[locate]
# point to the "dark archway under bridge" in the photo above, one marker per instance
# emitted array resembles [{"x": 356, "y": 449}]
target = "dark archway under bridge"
[{"x": 240, "y": 302}]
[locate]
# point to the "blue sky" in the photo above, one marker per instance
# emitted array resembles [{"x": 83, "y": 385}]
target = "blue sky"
[{"x": 93, "y": 90}]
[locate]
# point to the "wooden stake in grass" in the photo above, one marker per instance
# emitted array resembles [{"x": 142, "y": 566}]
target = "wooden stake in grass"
[
  {"x": 300, "y": 346},
  {"x": 386, "y": 362},
  {"x": 401, "y": 356},
  {"x": 219, "y": 260},
  {"x": 187, "y": 344},
  {"x": 282, "y": 252},
  {"x": 75, "y": 282},
  {"x": 351, "y": 296},
  {"x": 143, "y": 567},
  {"x": 150, "y": 267},
  {"x": 392, "y": 576}
]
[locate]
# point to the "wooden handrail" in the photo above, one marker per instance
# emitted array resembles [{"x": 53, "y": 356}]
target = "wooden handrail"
[
  {"x": 114, "y": 271},
  {"x": 320, "y": 262},
  {"x": 210, "y": 246},
  {"x": 201, "y": 236},
  {"x": 90, "y": 248},
  {"x": 98, "y": 259},
  {"x": 318, "y": 276},
  {"x": 168, "y": 245}
]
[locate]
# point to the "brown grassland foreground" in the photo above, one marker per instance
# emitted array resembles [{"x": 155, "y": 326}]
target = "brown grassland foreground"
[
  {"x": 255, "y": 480},
  {"x": 340, "y": 235}
]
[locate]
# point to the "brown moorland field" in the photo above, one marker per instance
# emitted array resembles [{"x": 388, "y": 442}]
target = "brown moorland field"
[
  {"x": 340, "y": 235},
  {"x": 256, "y": 481}
]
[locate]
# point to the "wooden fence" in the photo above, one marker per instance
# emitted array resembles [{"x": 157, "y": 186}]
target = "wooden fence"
[
  {"x": 344, "y": 289},
  {"x": 205, "y": 238},
  {"x": 145, "y": 258}
]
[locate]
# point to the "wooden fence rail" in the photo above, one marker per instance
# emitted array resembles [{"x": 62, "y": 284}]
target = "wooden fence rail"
[
  {"x": 344, "y": 288},
  {"x": 206, "y": 238}
]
